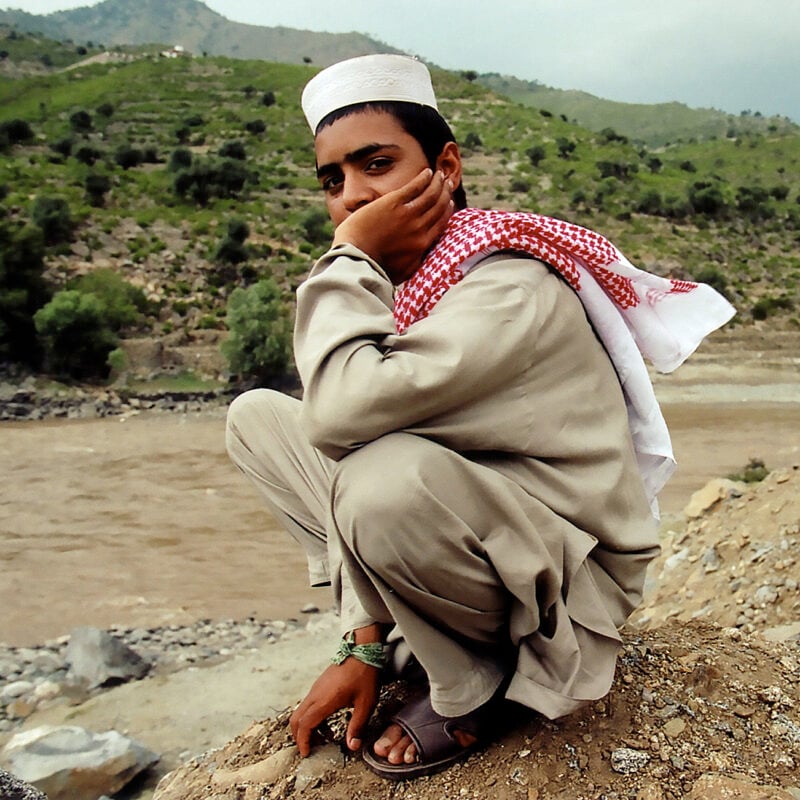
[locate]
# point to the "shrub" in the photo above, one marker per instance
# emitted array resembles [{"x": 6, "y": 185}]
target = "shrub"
[
  {"x": 80, "y": 121},
  {"x": 88, "y": 155},
  {"x": 16, "y": 131},
  {"x": 520, "y": 185},
  {"x": 51, "y": 214},
  {"x": 472, "y": 141},
  {"x": 123, "y": 302},
  {"x": 63, "y": 146},
  {"x": 268, "y": 99},
  {"x": 616, "y": 169},
  {"x": 754, "y": 472},
  {"x": 96, "y": 186},
  {"x": 565, "y": 147},
  {"x": 317, "y": 227},
  {"x": 536, "y": 154},
  {"x": 650, "y": 203},
  {"x": 207, "y": 179},
  {"x": 714, "y": 278},
  {"x": 654, "y": 164},
  {"x": 608, "y": 135},
  {"x": 194, "y": 121},
  {"x": 181, "y": 158},
  {"x": 22, "y": 292},
  {"x": 767, "y": 306},
  {"x": 232, "y": 249},
  {"x": 105, "y": 110},
  {"x": 233, "y": 150},
  {"x": 707, "y": 199},
  {"x": 182, "y": 134},
  {"x": 76, "y": 336},
  {"x": 255, "y": 126},
  {"x": 127, "y": 156},
  {"x": 258, "y": 346}
]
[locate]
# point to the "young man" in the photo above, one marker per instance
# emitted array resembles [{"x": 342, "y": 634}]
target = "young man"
[{"x": 471, "y": 468}]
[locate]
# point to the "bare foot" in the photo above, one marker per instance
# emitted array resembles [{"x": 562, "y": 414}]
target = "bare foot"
[{"x": 397, "y": 748}]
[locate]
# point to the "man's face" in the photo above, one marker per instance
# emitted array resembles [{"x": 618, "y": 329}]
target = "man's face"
[{"x": 362, "y": 157}]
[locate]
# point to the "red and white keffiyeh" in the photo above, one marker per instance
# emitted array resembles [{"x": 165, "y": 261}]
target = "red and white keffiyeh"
[{"x": 635, "y": 313}]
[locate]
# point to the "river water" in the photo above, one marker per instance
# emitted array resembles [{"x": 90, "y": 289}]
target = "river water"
[{"x": 143, "y": 520}]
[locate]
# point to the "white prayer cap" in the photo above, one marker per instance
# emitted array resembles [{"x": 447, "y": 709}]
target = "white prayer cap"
[{"x": 366, "y": 79}]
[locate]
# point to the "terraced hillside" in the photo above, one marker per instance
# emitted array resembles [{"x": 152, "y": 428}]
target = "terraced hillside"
[{"x": 125, "y": 139}]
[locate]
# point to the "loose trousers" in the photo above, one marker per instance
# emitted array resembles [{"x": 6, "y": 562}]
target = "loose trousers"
[{"x": 453, "y": 551}]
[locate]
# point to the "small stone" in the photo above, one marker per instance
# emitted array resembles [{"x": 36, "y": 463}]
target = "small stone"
[
  {"x": 16, "y": 689},
  {"x": 320, "y": 763},
  {"x": 674, "y": 727},
  {"x": 627, "y": 761}
]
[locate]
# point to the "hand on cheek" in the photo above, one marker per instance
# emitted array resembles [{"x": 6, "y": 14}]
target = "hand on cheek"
[{"x": 397, "y": 229}]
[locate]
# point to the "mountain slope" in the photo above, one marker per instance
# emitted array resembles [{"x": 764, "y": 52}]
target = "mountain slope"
[
  {"x": 196, "y": 27},
  {"x": 655, "y": 124}
]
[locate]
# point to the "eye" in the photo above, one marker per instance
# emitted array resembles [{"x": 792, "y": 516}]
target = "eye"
[
  {"x": 331, "y": 184},
  {"x": 379, "y": 163}
]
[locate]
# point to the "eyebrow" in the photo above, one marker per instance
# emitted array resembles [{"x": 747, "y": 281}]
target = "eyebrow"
[{"x": 354, "y": 157}]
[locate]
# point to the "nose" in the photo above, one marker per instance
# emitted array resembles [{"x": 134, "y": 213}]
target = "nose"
[{"x": 356, "y": 192}]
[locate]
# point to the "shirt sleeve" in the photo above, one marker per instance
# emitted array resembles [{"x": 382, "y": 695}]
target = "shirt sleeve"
[{"x": 362, "y": 380}]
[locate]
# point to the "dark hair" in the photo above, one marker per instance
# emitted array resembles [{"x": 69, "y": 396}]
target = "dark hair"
[{"x": 424, "y": 123}]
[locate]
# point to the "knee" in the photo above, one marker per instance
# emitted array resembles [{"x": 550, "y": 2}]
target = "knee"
[
  {"x": 251, "y": 417},
  {"x": 376, "y": 491}
]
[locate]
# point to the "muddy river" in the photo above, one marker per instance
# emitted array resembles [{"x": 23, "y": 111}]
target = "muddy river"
[{"x": 144, "y": 521}]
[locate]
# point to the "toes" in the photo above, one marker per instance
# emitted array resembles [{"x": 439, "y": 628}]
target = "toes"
[
  {"x": 391, "y": 736},
  {"x": 404, "y": 752}
]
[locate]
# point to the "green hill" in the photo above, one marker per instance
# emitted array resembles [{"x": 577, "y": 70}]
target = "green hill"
[
  {"x": 195, "y": 27},
  {"x": 111, "y": 140}
]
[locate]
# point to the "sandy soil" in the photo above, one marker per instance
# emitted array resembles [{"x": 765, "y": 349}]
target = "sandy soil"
[{"x": 144, "y": 521}]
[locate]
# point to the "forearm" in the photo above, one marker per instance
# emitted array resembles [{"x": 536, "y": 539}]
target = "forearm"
[{"x": 362, "y": 380}]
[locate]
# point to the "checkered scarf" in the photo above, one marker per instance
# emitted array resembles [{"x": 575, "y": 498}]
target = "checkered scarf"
[{"x": 634, "y": 313}]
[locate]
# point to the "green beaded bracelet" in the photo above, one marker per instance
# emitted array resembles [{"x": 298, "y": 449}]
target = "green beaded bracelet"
[{"x": 373, "y": 654}]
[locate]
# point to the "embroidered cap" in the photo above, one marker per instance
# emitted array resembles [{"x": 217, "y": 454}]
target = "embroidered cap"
[{"x": 366, "y": 79}]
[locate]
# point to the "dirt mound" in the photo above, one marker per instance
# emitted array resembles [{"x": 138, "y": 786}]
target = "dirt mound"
[
  {"x": 692, "y": 705},
  {"x": 735, "y": 563}
]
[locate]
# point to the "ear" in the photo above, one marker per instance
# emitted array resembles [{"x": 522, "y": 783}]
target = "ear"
[{"x": 449, "y": 163}]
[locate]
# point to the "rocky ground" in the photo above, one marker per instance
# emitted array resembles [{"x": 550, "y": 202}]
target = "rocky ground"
[
  {"x": 706, "y": 701},
  {"x": 705, "y": 704}
]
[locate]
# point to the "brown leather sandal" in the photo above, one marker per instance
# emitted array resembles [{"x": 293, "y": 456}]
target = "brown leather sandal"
[{"x": 432, "y": 734}]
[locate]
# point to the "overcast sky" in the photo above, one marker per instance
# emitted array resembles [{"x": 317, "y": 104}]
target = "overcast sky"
[{"x": 727, "y": 54}]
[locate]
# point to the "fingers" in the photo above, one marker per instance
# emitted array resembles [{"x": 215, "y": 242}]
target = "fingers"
[
  {"x": 361, "y": 714},
  {"x": 302, "y": 730},
  {"x": 414, "y": 188}
]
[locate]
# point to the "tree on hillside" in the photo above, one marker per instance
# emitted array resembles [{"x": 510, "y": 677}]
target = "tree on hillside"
[
  {"x": 52, "y": 215},
  {"x": 205, "y": 180},
  {"x": 80, "y": 121},
  {"x": 23, "y": 291},
  {"x": 79, "y": 328},
  {"x": 259, "y": 343},
  {"x": 77, "y": 338}
]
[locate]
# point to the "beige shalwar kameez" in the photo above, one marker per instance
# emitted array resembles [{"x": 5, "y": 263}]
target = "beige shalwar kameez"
[{"x": 471, "y": 481}]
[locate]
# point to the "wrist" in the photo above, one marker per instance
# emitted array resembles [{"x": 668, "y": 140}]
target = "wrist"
[{"x": 372, "y": 653}]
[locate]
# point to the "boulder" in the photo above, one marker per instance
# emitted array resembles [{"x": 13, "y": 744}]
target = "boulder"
[
  {"x": 71, "y": 763},
  {"x": 707, "y": 497},
  {"x": 96, "y": 658}
]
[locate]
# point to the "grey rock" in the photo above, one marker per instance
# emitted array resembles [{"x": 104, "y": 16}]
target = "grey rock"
[
  {"x": 766, "y": 594},
  {"x": 626, "y": 760},
  {"x": 12, "y": 788},
  {"x": 16, "y": 689},
  {"x": 71, "y": 763},
  {"x": 95, "y": 657}
]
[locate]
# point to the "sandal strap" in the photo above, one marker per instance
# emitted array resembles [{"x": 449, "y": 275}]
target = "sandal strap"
[{"x": 433, "y": 734}]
